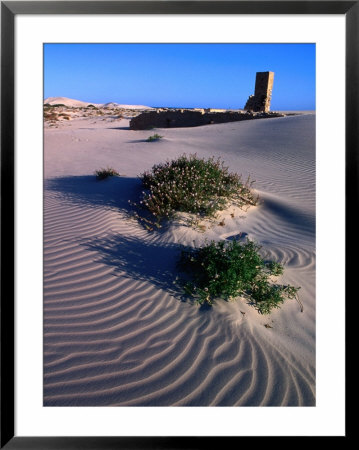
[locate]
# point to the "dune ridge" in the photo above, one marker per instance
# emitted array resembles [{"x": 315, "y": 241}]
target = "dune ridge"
[
  {"x": 72, "y": 103},
  {"x": 117, "y": 330}
]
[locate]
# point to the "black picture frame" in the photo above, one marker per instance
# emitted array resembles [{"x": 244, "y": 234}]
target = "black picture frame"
[{"x": 9, "y": 9}]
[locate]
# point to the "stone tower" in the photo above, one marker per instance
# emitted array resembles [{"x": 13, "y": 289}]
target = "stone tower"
[{"x": 260, "y": 101}]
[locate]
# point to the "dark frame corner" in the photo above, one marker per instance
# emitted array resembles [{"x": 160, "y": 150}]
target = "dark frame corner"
[{"x": 9, "y": 9}]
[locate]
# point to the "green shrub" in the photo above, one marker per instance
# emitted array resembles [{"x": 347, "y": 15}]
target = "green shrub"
[
  {"x": 105, "y": 173},
  {"x": 275, "y": 268},
  {"x": 154, "y": 137},
  {"x": 194, "y": 185},
  {"x": 229, "y": 269}
]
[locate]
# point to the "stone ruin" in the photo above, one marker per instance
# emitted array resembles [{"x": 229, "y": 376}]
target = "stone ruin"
[
  {"x": 257, "y": 107},
  {"x": 260, "y": 101},
  {"x": 178, "y": 118}
]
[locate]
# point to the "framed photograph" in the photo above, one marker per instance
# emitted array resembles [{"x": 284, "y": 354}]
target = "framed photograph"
[{"x": 176, "y": 181}]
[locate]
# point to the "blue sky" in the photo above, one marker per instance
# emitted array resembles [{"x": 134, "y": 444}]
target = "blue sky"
[{"x": 180, "y": 75}]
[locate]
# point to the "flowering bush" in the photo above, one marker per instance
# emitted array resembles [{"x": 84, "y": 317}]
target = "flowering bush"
[
  {"x": 194, "y": 185},
  {"x": 229, "y": 269}
]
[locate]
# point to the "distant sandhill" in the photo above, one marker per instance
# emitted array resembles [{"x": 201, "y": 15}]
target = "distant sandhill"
[
  {"x": 67, "y": 102},
  {"x": 78, "y": 103}
]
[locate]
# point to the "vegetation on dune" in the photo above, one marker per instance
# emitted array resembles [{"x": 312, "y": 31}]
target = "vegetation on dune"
[
  {"x": 65, "y": 116},
  {"x": 51, "y": 113},
  {"x": 105, "y": 173},
  {"x": 154, "y": 137},
  {"x": 229, "y": 269},
  {"x": 51, "y": 116},
  {"x": 224, "y": 269},
  {"x": 194, "y": 185},
  {"x": 49, "y": 105}
]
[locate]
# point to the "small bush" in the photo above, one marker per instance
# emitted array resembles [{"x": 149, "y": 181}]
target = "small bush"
[
  {"x": 64, "y": 116},
  {"x": 50, "y": 116},
  {"x": 229, "y": 269},
  {"x": 193, "y": 185},
  {"x": 57, "y": 105},
  {"x": 105, "y": 173},
  {"x": 154, "y": 137}
]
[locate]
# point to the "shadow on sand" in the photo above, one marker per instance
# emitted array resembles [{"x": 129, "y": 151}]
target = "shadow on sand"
[
  {"x": 140, "y": 260},
  {"x": 129, "y": 256},
  {"x": 113, "y": 193},
  {"x": 118, "y": 128}
]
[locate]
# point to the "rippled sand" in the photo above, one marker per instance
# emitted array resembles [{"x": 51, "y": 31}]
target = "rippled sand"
[{"x": 117, "y": 331}]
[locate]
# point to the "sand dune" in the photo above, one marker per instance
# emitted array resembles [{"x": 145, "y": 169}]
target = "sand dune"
[
  {"x": 117, "y": 330},
  {"x": 67, "y": 102},
  {"x": 78, "y": 103}
]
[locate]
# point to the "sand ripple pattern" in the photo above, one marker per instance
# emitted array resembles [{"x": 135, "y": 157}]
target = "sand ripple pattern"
[{"x": 116, "y": 328}]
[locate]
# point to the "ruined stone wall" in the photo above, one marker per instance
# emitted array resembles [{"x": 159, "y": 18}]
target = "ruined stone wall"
[
  {"x": 261, "y": 99},
  {"x": 190, "y": 118}
]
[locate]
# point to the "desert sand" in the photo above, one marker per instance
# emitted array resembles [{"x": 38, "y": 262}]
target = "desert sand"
[{"x": 117, "y": 331}]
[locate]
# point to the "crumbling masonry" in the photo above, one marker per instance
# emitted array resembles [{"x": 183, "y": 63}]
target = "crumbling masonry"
[
  {"x": 188, "y": 118},
  {"x": 260, "y": 101}
]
